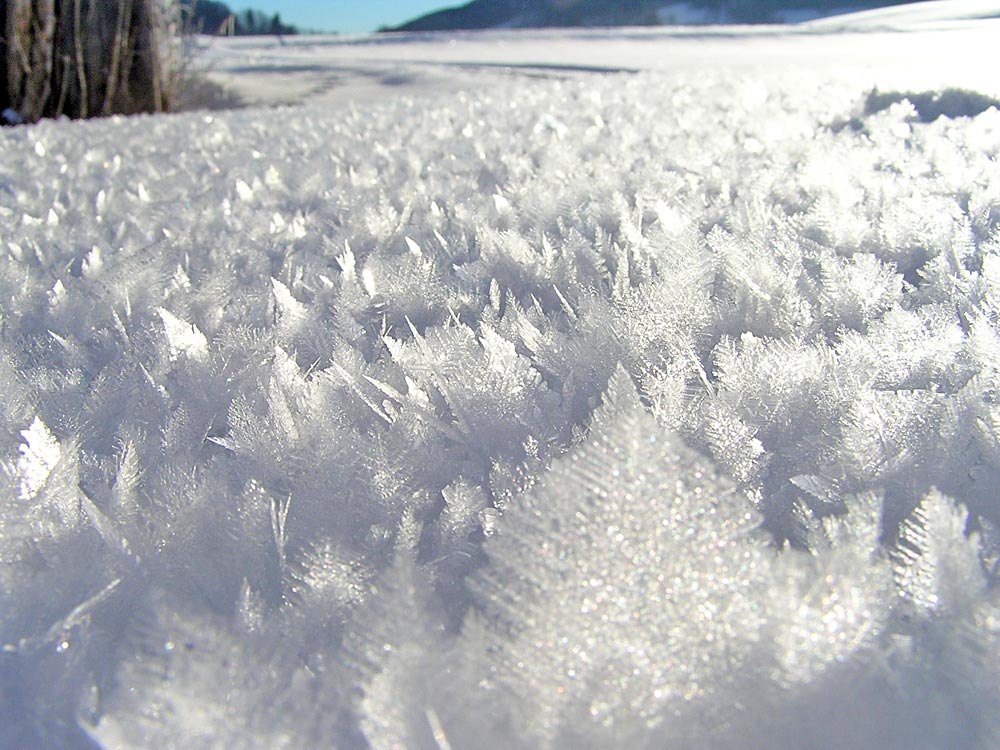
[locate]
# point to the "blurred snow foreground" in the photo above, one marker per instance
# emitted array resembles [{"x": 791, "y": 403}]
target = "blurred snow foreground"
[{"x": 638, "y": 411}]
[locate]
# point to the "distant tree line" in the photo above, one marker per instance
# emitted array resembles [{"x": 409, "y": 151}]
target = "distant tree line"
[{"x": 215, "y": 17}]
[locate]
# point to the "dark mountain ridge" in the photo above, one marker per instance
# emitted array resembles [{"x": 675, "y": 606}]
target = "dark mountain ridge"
[{"x": 487, "y": 14}]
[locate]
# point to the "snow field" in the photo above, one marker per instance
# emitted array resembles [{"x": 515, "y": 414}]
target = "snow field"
[{"x": 649, "y": 410}]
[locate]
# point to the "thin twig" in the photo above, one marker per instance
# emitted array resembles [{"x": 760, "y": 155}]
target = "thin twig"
[{"x": 81, "y": 71}]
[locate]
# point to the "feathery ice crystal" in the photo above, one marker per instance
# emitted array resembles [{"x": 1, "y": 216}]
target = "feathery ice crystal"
[{"x": 660, "y": 411}]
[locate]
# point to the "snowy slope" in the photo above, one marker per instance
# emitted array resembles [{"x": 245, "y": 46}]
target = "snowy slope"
[
  {"x": 483, "y": 14},
  {"x": 915, "y": 16},
  {"x": 569, "y": 410}
]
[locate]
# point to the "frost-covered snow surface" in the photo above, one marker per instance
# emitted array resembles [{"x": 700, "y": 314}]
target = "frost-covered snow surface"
[{"x": 651, "y": 410}]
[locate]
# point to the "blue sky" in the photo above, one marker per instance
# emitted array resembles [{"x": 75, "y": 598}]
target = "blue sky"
[{"x": 347, "y": 16}]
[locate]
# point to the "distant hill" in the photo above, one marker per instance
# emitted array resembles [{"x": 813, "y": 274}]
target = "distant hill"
[
  {"x": 215, "y": 17},
  {"x": 487, "y": 14}
]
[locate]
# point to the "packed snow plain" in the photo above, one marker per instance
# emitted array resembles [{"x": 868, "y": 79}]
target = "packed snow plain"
[{"x": 654, "y": 409}]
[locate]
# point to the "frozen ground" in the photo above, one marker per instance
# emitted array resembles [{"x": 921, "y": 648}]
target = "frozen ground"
[{"x": 570, "y": 409}]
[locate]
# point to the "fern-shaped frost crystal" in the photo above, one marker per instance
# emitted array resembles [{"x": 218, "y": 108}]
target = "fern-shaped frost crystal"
[
  {"x": 623, "y": 586},
  {"x": 39, "y": 455}
]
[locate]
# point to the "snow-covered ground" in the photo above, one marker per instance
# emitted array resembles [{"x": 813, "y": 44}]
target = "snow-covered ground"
[
  {"x": 491, "y": 399},
  {"x": 932, "y": 44}
]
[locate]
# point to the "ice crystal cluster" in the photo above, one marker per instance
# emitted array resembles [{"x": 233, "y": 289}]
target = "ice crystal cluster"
[{"x": 650, "y": 411}]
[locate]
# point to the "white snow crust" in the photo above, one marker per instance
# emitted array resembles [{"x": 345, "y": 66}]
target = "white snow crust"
[{"x": 649, "y": 409}]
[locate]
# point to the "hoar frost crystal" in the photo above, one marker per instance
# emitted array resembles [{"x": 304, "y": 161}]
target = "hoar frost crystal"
[{"x": 655, "y": 411}]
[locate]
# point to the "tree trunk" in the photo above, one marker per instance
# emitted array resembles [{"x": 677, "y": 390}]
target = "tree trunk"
[
  {"x": 31, "y": 28},
  {"x": 82, "y": 58}
]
